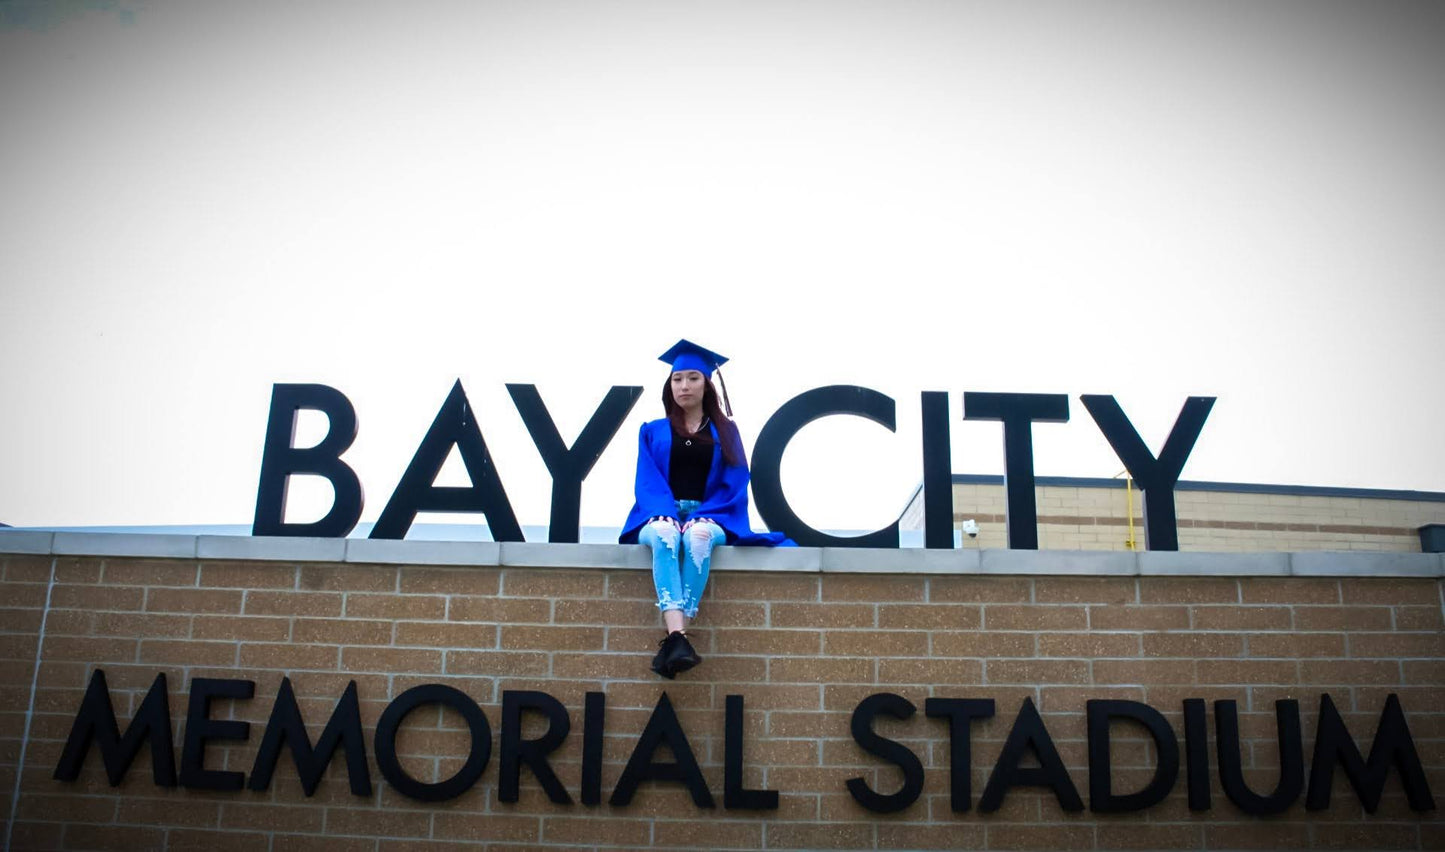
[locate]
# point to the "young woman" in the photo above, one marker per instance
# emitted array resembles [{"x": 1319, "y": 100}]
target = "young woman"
[{"x": 691, "y": 495}]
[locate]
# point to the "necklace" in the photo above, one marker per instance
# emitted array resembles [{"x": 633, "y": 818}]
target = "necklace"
[{"x": 688, "y": 442}]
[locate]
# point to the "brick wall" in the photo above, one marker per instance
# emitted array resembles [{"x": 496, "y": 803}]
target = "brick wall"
[
  {"x": 802, "y": 648},
  {"x": 1097, "y": 518}
]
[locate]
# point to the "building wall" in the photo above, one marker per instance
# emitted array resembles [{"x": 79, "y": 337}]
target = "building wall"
[
  {"x": 802, "y": 648},
  {"x": 1096, "y": 517}
]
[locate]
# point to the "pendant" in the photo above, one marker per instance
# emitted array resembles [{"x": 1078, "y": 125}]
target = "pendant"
[{"x": 687, "y": 443}]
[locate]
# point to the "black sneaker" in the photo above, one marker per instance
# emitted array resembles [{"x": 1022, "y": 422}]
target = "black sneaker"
[
  {"x": 681, "y": 656},
  {"x": 659, "y": 662}
]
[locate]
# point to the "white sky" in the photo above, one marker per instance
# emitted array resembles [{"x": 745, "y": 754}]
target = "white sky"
[{"x": 1147, "y": 199}]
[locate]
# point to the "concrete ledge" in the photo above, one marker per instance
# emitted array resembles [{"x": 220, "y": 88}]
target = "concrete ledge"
[
  {"x": 124, "y": 544},
  {"x": 1095, "y": 563},
  {"x": 271, "y": 548},
  {"x": 382, "y": 551},
  {"x": 1355, "y": 564},
  {"x": 1183, "y": 564},
  {"x": 870, "y": 560},
  {"x": 26, "y": 542},
  {"x": 842, "y": 560}
]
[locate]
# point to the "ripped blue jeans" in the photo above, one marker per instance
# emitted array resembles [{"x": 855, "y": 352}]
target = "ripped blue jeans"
[{"x": 680, "y": 561}]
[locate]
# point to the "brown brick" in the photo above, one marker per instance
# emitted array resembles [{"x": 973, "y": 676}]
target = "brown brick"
[
  {"x": 35, "y": 835},
  {"x": 821, "y": 615},
  {"x": 604, "y": 612},
  {"x": 418, "y": 607},
  {"x": 89, "y": 650},
  {"x": 391, "y": 660},
  {"x": 272, "y": 817},
  {"x": 295, "y": 655},
  {"x": 1290, "y": 590},
  {"x": 929, "y": 616},
  {"x": 1347, "y": 672},
  {"x": 1342, "y": 618},
  {"x": 1394, "y": 590},
  {"x": 1258, "y": 835},
  {"x": 877, "y": 643},
  {"x": 820, "y": 670},
  {"x": 1149, "y": 836},
  {"x": 168, "y": 812},
  {"x": 1242, "y": 617},
  {"x": 343, "y": 631},
  {"x": 1138, "y": 618},
  {"x": 192, "y": 840},
  {"x": 1247, "y": 671},
  {"x": 188, "y": 653},
  {"x": 128, "y": 572},
  {"x": 1193, "y": 645},
  {"x": 75, "y": 808},
  {"x": 20, "y": 620},
  {"x": 474, "y": 827},
  {"x": 727, "y": 614},
  {"x": 139, "y": 624},
  {"x": 18, "y": 646},
  {"x": 113, "y": 838},
  {"x": 1376, "y": 836},
  {"x": 929, "y": 671},
  {"x": 834, "y": 835},
  {"x": 773, "y": 696},
  {"x": 293, "y": 603},
  {"x": 188, "y": 600},
  {"x": 77, "y": 569},
  {"x": 31, "y": 569},
  {"x": 1090, "y": 645},
  {"x": 33, "y": 595},
  {"x": 979, "y": 590},
  {"x": 550, "y": 583},
  {"x": 88, "y": 597},
  {"x": 1103, "y": 590},
  {"x": 348, "y": 578},
  {"x": 1143, "y": 671},
  {"x": 442, "y": 634},
  {"x": 1046, "y": 837},
  {"x": 1003, "y": 617},
  {"x": 1297, "y": 645},
  {"x": 500, "y": 610},
  {"x": 630, "y": 585},
  {"x": 253, "y": 628},
  {"x": 719, "y": 834},
  {"x": 499, "y": 663},
  {"x": 1406, "y": 645},
  {"x": 1177, "y": 590},
  {"x": 1036, "y": 671},
  {"x": 892, "y": 835},
  {"x": 771, "y": 642},
  {"x": 515, "y": 638},
  {"x": 600, "y": 666},
  {"x": 452, "y": 581},
  {"x": 308, "y": 843},
  {"x": 983, "y": 645},
  {"x": 248, "y": 575},
  {"x": 872, "y": 588},
  {"x": 630, "y": 833},
  {"x": 773, "y": 588},
  {"x": 1418, "y": 618},
  {"x": 382, "y": 823}
]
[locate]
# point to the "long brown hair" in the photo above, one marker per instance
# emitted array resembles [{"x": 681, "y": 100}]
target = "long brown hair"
[{"x": 732, "y": 445}]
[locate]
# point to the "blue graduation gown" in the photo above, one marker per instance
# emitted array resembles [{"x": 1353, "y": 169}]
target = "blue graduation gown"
[{"x": 725, "y": 499}]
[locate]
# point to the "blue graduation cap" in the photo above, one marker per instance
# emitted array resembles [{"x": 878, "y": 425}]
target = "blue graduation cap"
[{"x": 686, "y": 355}]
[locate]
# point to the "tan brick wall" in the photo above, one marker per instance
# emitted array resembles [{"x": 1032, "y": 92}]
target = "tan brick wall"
[
  {"x": 1083, "y": 518},
  {"x": 803, "y": 649}
]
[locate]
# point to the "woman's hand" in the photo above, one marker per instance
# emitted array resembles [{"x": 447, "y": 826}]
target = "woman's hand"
[
  {"x": 667, "y": 519},
  {"x": 691, "y": 521}
]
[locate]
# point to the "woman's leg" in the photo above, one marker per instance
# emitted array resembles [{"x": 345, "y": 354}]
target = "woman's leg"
[
  {"x": 663, "y": 538},
  {"x": 697, "y": 545}
]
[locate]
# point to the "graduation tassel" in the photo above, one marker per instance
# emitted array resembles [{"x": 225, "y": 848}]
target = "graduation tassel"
[{"x": 727, "y": 406}]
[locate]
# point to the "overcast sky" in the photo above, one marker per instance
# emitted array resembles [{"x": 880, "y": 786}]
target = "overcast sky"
[{"x": 1149, "y": 199}]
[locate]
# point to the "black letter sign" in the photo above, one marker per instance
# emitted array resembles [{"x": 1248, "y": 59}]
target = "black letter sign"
[
  {"x": 390, "y": 722},
  {"x": 287, "y": 728},
  {"x": 1393, "y": 746},
  {"x": 773, "y": 440},
  {"x": 892, "y": 751},
  {"x": 662, "y": 728},
  {"x": 1156, "y": 477},
  {"x": 96, "y": 721},
  {"x": 517, "y": 751},
  {"x": 201, "y": 728},
  {"x": 1102, "y": 799},
  {"x": 1029, "y": 734},
  {"x": 454, "y": 424},
  {"x": 570, "y": 467},
  {"x": 280, "y": 460},
  {"x": 1018, "y": 411}
]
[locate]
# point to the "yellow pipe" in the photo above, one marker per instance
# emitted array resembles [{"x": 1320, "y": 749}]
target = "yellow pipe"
[{"x": 1129, "y": 491}]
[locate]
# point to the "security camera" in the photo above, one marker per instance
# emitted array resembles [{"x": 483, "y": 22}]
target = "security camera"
[{"x": 970, "y": 528}]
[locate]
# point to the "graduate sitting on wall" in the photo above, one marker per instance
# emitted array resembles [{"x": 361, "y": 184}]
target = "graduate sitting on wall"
[{"x": 691, "y": 495}]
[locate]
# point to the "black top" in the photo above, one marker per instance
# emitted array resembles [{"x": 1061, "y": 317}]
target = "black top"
[{"x": 689, "y": 464}]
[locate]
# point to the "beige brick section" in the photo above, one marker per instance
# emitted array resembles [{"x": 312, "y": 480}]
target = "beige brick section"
[{"x": 802, "y": 649}]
